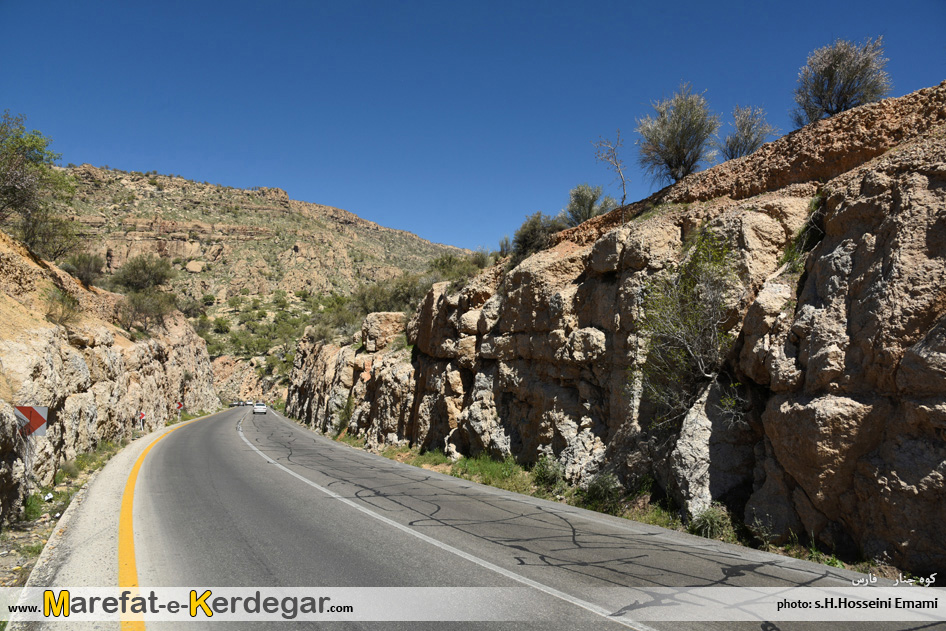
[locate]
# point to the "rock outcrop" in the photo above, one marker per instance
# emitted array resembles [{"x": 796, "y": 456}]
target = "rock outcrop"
[
  {"x": 95, "y": 381},
  {"x": 241, "y": 380},
  {"x": 841, "y": 431}
]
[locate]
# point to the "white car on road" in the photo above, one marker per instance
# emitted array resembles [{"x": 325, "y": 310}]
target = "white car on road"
[{"x": 259, "y": 408}]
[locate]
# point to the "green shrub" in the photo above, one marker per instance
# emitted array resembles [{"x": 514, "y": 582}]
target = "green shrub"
[
  {"x": 533, "y": 235},
  {"x": 586, "y": 201},
  {"x": 146, "y": 309},
  {"x": 343, "y": 416},
  {"x": 505, "y": 247},
  {"x": 86, "y": 267},
  {"x": 208, "y": 300},
  {"x": 453, "y": 266},
  {"x": 221, "y": 325},
  {"x": 480, "y": 258},
  {"x": 47, "y": 233},
  {"x": 713, "y": 523},
  {"x": 69, "y": 469},
  {"x": 677, "y": 139},
  {"x": 547, "y": 472},
  {"x": 751, "y": 130},
  {"x": 61, "y": 307},
  {"x": 202, "y": 326},
  {"x": 143, "y": 272},
  {"x": 807, "y": 238},
  {"x": 838, "y": 78},
  {"x": 604, "y": 493},
  {"x": 189, "y": 306},
  {"x": 33, "y": 507},
  {"x": 686, "y": 312}
]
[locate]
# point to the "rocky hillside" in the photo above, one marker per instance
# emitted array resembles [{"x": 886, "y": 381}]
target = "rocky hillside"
[
  {"x": 95, "y": 379},
  {"x": 232, "y": 241},
  {"x": 251, "y": 258},
  {"x": 839, "y": 353}
]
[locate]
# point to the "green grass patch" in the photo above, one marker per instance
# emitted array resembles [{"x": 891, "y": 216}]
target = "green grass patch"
[
  {"x": 431, "y": 458},
  {"x": 655, "y": 515},
  {"x": 352, "y": 440},
  {"x": 32, "y": 549},
  {"x": 35, "y": 506},
  {"x": 396, "y": 452},
  {"x": 714, "y": 523},
  {"x": 92, "y": 460},
  {"x": 185, "y": 416},
  {"x": 503, "y": 474}
]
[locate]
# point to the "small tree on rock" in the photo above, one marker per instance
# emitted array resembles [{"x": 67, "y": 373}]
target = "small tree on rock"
[
  {"x": 686, "y": 312},
  {"x": 751, "y": 130},
  {"x": 677, "y": 139},
  {"x": 586, "y": 201},
  {"x": 839, "y": 77},
  {"x": 533, "y": 235}
]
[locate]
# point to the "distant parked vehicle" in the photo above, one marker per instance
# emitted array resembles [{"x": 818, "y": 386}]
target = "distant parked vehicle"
[
  {"x": 259, "y": 408},
  {"x": 236, "y": 404}
]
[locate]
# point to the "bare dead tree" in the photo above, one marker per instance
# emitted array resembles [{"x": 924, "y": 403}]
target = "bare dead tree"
[{"x": 606, "y": 151}]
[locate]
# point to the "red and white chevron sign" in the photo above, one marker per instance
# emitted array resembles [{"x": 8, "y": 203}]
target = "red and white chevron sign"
[{"x": 32, "y": 419}]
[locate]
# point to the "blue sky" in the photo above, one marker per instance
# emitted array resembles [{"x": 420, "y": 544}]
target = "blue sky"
[{"x": 453, "y": 120}]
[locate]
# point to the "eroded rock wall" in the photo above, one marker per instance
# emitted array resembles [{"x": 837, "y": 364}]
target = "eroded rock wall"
[
  {"x": 856, "y": 420},
  {"x": 95, "y": 381}
]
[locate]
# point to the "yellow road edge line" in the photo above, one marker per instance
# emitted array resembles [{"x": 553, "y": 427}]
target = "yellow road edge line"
[{"x": 127, "y": 568}]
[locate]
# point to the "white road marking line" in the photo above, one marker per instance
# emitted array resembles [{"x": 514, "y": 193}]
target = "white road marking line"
[{"x": 601, "y": 611}]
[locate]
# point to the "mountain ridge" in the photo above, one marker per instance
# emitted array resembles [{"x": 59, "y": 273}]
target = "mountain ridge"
[{"x": 310, "y": 246}]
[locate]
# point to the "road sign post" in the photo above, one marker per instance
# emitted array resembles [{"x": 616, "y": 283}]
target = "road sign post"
[{"x": 32, "y": 421}]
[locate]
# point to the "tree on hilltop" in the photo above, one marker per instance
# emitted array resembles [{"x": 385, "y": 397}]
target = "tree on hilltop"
[
  {"x": 677, "y": 139},
  {"x": 31, "y": 190},
  {"x": 750, "y": 132},
  {"x": 838, "y": 78},
  {"x": 586, "y": 201}
]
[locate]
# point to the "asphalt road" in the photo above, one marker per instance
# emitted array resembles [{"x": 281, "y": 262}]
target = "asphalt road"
[{"x": 250, "y": 500}]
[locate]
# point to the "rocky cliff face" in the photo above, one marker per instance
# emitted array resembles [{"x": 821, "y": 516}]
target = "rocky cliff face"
[
  {"x": 843, "y": 436},
  {"x": 94, "y": 379},
  {"x": 240, "y": 380}
]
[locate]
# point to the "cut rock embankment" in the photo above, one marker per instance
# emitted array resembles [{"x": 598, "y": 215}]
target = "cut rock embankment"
[
  {"x": 95, "y": 380},
  {"x": 843, "y": 366}
]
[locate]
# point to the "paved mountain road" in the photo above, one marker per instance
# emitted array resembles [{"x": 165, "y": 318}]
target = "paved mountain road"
[{"x": 249, "y": 500}]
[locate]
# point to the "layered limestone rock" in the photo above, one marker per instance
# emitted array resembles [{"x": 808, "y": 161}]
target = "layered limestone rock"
[
  {"x": 841, "y": 431},
  {"x": 95, "y": 381}
]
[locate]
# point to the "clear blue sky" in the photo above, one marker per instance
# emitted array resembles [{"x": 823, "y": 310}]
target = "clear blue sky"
[{"x": 453, "y": 120}]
